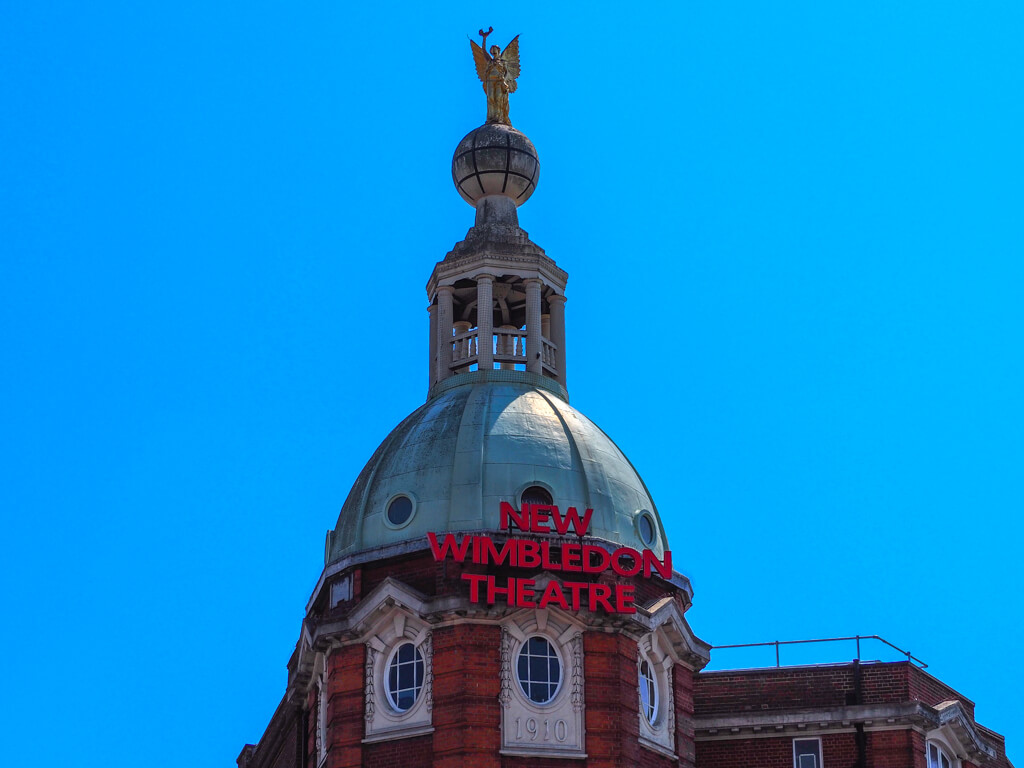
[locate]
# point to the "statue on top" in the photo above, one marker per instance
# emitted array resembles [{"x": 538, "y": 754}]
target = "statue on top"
[{"x": 498, "y": 71}]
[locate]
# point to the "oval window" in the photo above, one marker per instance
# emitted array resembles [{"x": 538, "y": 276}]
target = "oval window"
[
  {"x": 400, "y": 510},
  {"x": 536, "y": 494},
  {"x": 648, "y": 692},
  {"x": 404, "y": 677},
  {"x": 539, "y": 670},
  {"x": 645, "y": 526}
]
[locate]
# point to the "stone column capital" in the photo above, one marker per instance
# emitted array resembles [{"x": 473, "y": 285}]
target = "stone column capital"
[
  {"x": 557, "y": 297},
  {"x": 446, "y": 289},
  {"x": 533, "y": 281},
  {"x": 484, "y": 276}
]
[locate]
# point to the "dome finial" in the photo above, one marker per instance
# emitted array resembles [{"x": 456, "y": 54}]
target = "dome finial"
[{"x": 497, "y": 70}]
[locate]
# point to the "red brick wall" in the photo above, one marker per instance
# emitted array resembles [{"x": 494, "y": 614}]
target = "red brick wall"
[
  {"x": 924, "y": 687},
  {"x": 279, "y": 747},
  {"x": 610, "y": 698},
  {"x": 894, "y": 749},
  {"x": 345, "y": 724},
  {"x": 467, "y": 680},
  {"x": 746, "y": 753},
  {"x": 417, "y": 752},
  {"x": 886, "y": 749},
  {"x": 682, "y": 681},
  {"x": 736, "y": 692},
  {"x": 612, "y": 707}
]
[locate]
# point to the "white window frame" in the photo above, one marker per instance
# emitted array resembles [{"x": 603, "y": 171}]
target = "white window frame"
[
  {"x": 821, "y": 750},
  {"x": 655, "y": 689},
  {"x": 553, "y": 644},
  {"x": 418, "y": 654},
  {"x": 945, "y": 749},
  {"x": 384, "y": 722},
  {"x": 658, "y": 735}
]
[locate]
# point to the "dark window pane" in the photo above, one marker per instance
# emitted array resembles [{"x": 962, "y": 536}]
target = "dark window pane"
[
  {"x": 646, "y": 530},
  {"x": 535, "y": 494},
  {"x": 537, "y": 669},
  {"x": 399, "y": 510}
]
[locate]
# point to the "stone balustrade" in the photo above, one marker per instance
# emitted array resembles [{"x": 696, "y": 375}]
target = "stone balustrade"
[{"x": 508, "y": 347}]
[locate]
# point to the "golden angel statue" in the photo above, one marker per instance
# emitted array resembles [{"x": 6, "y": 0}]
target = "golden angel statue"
[{"x": 498, "y": 72}]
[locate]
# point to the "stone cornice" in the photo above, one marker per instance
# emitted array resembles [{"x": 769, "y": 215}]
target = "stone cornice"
[
  {"x": 485, "y": 258},
  {"x": 909, "y": 714},
  {"x": 321, "y": 635}
]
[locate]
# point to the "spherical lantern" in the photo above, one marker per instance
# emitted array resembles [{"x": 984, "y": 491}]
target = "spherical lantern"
[{"x": 495, "y": 159}]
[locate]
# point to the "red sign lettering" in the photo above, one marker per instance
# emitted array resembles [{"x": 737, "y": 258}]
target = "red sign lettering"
[{"x": 550, "y": 555}]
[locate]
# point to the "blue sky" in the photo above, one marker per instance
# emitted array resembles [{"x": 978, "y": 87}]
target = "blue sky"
[{"x": 794, "y": 239}]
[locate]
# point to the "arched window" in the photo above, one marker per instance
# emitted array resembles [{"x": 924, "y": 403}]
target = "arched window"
[
  {"x": 536, "y": 494},
  {"x": 938, "y": 758}
]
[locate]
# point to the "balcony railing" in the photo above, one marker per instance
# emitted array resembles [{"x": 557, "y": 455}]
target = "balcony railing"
[
  {"x": 858, "y": 639},
  {"x": 507, "y": 345}
]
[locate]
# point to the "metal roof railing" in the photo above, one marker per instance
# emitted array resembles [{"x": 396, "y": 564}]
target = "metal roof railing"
[{"x": 778, "y": 643}]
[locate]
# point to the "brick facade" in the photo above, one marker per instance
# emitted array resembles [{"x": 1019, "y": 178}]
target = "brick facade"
[{"x": 750, "y": 718}]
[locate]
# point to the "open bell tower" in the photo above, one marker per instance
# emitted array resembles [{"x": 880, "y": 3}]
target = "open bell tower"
[{"x": 497, "y": 301}]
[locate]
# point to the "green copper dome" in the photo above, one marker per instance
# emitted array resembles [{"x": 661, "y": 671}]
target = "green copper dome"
[{"x": 483, "y": 438}]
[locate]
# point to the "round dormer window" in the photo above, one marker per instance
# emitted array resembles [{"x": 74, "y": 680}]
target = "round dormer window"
[
  {"x": 645, "y": 528},
  {"x": 399, "y": 511},
  {"x": 536, "y": 494}
]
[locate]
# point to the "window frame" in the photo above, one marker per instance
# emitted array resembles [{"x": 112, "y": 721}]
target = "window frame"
[
  {"x": 821, "y": 750},
  {"x": 418, "y": 658},
  {"x": 387, "y": 508},
  {"x": 553, "y": 645},
  {"x": 944, "y": 751},
  {"x": 650, "y": 682}
]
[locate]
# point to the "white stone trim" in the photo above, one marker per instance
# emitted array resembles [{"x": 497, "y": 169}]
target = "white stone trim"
[
  {"x": 656, "y": 649},
  {"x": 394, "y": 626},
  {"x": 556, "y": 728}
]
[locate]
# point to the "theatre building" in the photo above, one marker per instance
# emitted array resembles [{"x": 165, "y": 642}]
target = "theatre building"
[{"x": 499, "y": 592}]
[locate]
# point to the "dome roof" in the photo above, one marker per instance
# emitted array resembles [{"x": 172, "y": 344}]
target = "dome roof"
[{"x": 483, "y": 438}]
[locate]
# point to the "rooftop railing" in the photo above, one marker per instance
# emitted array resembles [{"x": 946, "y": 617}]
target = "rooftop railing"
[
  {"x": 508, "y": 347},
  {"x": 854, "y": 638}
]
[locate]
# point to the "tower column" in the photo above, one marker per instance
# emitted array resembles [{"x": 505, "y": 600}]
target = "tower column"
[
  {"x": 464, "y": 348},
  {"x": 444, "y": 331},
  {"x": 534, "y": 364},
  {"x": 485, "y": 321},
  {"x": 432, "y": 363},
  {"x": 556, "y": 305}
]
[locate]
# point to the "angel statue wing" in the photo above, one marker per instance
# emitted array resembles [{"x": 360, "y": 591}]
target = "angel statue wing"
[
  {"x": 481, "y": 59},
  {"x": 511, "y": 58}
]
